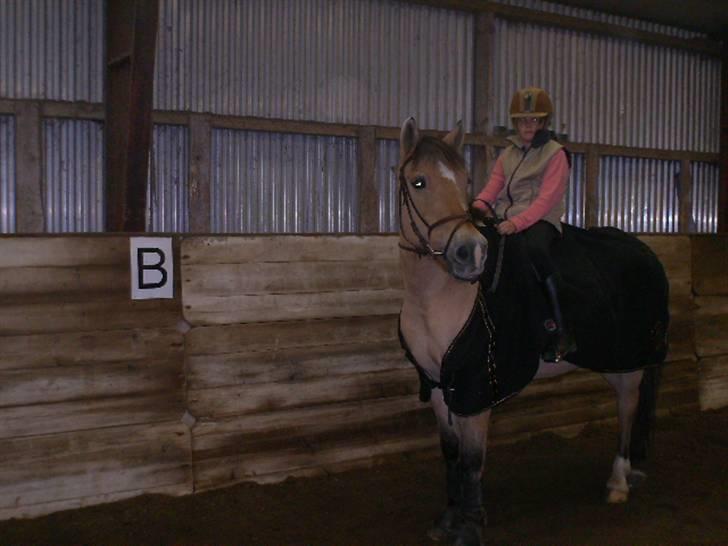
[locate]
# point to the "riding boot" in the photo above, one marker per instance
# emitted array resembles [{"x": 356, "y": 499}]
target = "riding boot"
[{"x": 562, "y": 340}]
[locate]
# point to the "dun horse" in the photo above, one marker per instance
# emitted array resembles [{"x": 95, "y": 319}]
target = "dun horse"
[{"x": 472, "y": 314}]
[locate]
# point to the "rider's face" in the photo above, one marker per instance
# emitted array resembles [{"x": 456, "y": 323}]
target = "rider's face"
[{"x": 527, "y": 128}]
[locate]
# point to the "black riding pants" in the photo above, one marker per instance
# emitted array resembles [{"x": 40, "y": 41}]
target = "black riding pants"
[{"x": 539, "y": 239}]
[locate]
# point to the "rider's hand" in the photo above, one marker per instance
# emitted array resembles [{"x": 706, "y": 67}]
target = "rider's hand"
[
  {"x": 480, "y": 210},
  {"x": 507, "y": 228}
]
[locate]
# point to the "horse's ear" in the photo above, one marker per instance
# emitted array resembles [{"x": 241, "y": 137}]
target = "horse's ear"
[
  {"x": 409, "y": 136},
  {"x": 455, "y": 137}
]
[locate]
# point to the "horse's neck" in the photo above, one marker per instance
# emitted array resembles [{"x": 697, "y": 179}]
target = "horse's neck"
[{"x": 434, "y": 310}]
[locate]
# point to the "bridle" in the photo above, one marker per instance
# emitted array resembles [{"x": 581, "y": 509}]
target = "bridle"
[
  {"x": 425, "y": 248},
  {"x": 405, "y": 200}
]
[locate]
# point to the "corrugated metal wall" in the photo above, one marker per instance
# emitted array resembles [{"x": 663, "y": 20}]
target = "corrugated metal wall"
[
  {"x": 168, "y": 188},
  {"x": 575, "y": 194},
  {"x": 7, "y": 174},
  {"x": 387, "y": 159},
  {"x": 706, "y": 181},
  {"x": 387, "y": 183},
  {"x": 52, "y": 49},
  {"x": 638, "y": 195},
  {"x": 73, "y": 175},
  {"x": 366, "y": 62},
  {"x": 609, "y": 90},
  {"x": 283, "y": 183}
]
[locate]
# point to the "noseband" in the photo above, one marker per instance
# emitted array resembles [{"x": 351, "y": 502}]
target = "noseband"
[{"x": 405, "y": 200}]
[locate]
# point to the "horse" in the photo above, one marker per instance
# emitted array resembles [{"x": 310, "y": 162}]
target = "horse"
[{"x": 470, "y": 304}]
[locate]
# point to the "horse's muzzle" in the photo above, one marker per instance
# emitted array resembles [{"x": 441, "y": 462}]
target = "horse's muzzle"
[{"x": 466, "y": 257}]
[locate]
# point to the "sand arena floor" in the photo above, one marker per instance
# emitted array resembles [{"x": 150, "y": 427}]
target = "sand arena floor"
[{"x": 547, "y": 490}]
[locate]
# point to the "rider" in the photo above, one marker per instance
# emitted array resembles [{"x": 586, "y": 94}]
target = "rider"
[{"x": 526, "y": 188}]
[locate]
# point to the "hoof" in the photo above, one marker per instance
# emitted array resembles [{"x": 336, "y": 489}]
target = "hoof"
[
  {"x": 446, "y": 526},
  {"x": 636, "y": 478},
  {"x": 616, "y": 496},
  {"x": 469, "y": 534}
]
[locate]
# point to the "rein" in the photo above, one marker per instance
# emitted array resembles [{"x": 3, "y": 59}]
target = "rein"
[{"x": 406, "y": 200}]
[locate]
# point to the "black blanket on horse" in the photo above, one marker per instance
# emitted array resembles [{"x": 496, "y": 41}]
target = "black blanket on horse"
[{"x": 616, "y": 302}]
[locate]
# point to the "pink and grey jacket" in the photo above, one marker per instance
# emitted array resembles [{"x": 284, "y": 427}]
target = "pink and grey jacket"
[{"x": 528, "y": 184}]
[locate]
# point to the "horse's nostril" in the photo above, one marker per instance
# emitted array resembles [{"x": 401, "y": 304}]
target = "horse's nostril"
[{"x": 463, "y": 253}]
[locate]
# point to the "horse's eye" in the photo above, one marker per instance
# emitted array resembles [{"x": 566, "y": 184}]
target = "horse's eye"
[{"x": 419, "y": 182}]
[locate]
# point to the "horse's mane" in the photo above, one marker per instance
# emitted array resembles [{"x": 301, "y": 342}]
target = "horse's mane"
[{"x": 431, "y": 148}]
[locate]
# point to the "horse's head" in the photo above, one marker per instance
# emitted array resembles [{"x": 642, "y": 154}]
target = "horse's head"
[{"x": 433, "y": 203}]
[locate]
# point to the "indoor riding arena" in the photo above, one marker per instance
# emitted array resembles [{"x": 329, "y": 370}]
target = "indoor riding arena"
[{"x": 214, "y": 219}]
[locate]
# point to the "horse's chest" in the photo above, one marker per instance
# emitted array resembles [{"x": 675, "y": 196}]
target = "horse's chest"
[
  {"x": 426, "y": 351},
  {"x": 428, "y": 340}
]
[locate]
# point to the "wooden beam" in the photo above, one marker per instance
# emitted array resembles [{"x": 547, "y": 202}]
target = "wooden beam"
[
  {"x": 29, "y": 217},
  {"x": 723, "y": 187},
  {"x": 591, "y": 195},
  {"x": 284, "y": 126},
  {"x": 392, "y": 133},
  {"x": 131, "y": 33},
  {"x": 482, "y": 93},
  {"x": 647, "y": 153},
  {"x": 74, "y": 110},
  {"x": 91, "y": 111},
  {"x": 686, "y": 198},
  {"x": 368, "y": 189},
  {"x": 7, "y": 106},
  {"x": 200, "y": 173}
]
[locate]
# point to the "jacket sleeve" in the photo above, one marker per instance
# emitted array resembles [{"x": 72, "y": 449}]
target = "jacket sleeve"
[
  {"x": 553, "y": 187},
  {"x": 494, "y": 186}
]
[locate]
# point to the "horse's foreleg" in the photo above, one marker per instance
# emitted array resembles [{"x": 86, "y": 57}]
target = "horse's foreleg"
[
  {"x": 473, "y": 433},
  {"x": 447, "y": 523},
  {"x": 462, "y": 440},
  {"x": 627, "y": 387}
]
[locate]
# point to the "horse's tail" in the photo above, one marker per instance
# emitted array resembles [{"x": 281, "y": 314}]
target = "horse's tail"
[{"x": 643, "y": 426}]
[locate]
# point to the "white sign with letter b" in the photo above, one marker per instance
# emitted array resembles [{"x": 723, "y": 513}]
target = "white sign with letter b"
[{"x": 152, "y": 268}]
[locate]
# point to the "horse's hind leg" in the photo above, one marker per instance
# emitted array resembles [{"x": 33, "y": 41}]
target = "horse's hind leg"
[{"x": 627, "y": 387}]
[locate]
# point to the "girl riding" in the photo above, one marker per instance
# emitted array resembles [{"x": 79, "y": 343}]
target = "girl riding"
[{"x": 527, "y": 190}]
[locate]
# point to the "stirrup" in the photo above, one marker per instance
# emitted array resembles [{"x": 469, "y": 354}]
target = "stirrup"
[
  {"x": 559, "y": 347},
  {"x": 551, "y": 355}
]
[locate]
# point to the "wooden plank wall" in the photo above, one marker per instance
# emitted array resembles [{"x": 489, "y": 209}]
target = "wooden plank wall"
[
  {"x": 282, "y": 355},
  {"x": 710, "y": 285},
  {"x": 293, "y": 360},
  {"x": 91, "y": 383}
]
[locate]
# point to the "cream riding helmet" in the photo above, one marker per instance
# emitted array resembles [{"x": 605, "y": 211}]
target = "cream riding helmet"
[{"x": 531, "y": 102}]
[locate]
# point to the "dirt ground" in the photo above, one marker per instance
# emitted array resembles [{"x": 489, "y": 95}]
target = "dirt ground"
[{"x": 547, "y": 490}]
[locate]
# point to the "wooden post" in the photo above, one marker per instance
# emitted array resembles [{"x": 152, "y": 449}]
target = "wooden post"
[
  {"x": 368, "y": 189},
  {"x": 200, "y": 173},
  {"x": 723, "y": 187},
  {"x": 482, "y": 93},
  {"x": 131, "y": 34},
  {"x": 591, "y": 195},
  {"x": 29, "y": 214},
  {"x": 686, "y": 197}
]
